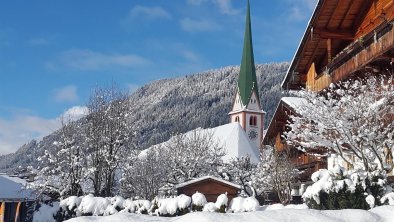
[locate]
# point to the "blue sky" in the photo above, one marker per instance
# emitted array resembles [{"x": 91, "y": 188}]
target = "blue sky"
[{"x": 54, "y": 52}]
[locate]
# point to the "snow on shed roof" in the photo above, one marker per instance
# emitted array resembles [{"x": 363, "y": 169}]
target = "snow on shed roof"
[
  {"x": 14, "y": 189},
  {"x": 230, "y": 136},
  {"x": 207, "y": 178}
]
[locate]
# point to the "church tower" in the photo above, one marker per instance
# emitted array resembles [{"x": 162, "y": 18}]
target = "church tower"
[{"x": 247, "y": 108}]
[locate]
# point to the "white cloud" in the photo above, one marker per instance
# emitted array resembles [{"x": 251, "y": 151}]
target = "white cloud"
[
  {"x": 22, "y": 128},
  {"x": 300, "y": 10},
  {"x": 75, "y": 113},
  {"x": 149, "y": 12},
  {"x": 37, "y": 41},
  {"x": 66, "y": 94},
  {"x": 225, "y": 6},
  {"x": 202, "y": 25},
  {"x": 190, "y": 56},
  {"x": 85, "y": 59}
]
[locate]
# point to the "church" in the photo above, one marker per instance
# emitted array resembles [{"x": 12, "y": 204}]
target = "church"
[{"x": 243, "y": 135}]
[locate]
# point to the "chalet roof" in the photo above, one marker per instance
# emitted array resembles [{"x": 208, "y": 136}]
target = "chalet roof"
[
  {"x": 247, "y": 82},
  {"x": 338, "y": 20},
  {"x": 14, "y": 189},
  {"x": 198, "y": 180},
  {"x": 281, "y": 115}
]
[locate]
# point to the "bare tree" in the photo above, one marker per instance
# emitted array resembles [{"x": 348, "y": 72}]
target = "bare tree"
[
  {"x": 191, "y": 155},
  {"x": 240, "y": 171},
  {"x": 276, "y": 173},
  {"x": 143, "y": 175},
  {"x": 60, "y": 168},
  {"x": 108, "y": 136}
]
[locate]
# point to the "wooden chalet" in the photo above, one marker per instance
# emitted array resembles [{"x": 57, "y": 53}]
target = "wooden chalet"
[
  {"x": 344, "y": 38},
  {"x": 210, "y": 186},
  {"x": 306, "y": 164}
]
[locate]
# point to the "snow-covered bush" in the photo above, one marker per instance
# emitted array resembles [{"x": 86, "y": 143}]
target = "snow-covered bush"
[
  {"x": 251, "y": 204},
  {"x": 168, "y": 207},
  {"x": 341, "y": 189},
  {"x": 91, "y": 205},
  {"x": 221, "y": 203},
  {"x": 388, "y": 199},
  {"x": 198, "y": 201},
  {"x": 237, "y": 205},
  {"x": 68, "y": 207},
  {"x": 184, "y": 204},
  {"x": 118, "y": 202},
  {"x": 242, "y": 204},
  {"x": 142, "y": 206},
  {"x": 46, "y": 213},
  {"x": 129, "y": 206},
  {"x": 210, "y": 207}
]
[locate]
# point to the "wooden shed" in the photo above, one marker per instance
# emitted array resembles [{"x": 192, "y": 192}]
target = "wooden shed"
[
  {"x": 16, "y": 200},
  {"x": 210, "y": 186}
]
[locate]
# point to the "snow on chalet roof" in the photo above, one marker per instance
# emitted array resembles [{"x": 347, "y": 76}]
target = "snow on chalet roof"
[
  {"x": 230, "y": 136},
  {"x": 294, "y": 102},
  {"x": 14, "y": 189},
  {"x": 207, "y": 178}
]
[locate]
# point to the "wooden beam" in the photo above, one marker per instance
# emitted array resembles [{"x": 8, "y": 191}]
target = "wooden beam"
[
  {"x": 362, "y": 12},
  {"x": 329, "y": 55},
  {"x": 334, "y": 34},
  {"x": 348, "y": 9}
]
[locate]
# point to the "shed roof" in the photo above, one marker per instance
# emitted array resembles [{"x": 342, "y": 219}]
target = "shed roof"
[
  {"x": 212, "y": 178},
  {"x": 14, "y": 189}
]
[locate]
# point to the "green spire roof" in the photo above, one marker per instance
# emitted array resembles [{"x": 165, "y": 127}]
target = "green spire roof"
[{"x": 247, "y": 82}]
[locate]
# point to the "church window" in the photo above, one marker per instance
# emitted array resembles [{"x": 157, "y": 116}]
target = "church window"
[
  {"x": 253, "y": 121},
  {"x": 237, "y": 119}
]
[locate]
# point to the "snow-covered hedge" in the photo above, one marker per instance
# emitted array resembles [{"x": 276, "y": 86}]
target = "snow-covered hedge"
[
  {"x": 90, "y": 205},
  {"x": 353, "y": 189}
]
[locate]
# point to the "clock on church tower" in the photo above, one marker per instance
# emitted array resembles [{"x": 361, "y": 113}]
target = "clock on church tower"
[{"x": 247, "y": 110}]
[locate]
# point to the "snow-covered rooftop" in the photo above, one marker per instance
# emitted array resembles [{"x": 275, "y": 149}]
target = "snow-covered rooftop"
[
  {"x": 294, "y": 102},
  {"x": 207, "y": 178},
  {"x": 14, "y": 188},
  {"x": 231, "y": 137}
]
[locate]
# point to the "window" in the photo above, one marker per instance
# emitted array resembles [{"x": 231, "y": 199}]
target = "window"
[
  {"x": 253, "y": 121},
  {"x": 237, "y": 119}
]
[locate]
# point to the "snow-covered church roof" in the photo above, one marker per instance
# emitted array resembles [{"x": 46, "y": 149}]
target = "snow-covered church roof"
[
  {"x": 231, "y": 137},
  {"x": 197, "y": 180}
]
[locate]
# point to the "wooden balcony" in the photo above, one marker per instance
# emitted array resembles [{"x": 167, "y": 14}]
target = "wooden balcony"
[{"x": 375, "y": 46}]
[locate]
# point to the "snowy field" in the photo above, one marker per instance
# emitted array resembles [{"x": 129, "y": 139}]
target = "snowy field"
[{"x": 378, "y": 214}]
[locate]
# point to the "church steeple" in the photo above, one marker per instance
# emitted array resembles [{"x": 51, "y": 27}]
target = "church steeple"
[
  {"x": 247, "y": 82},
  {"x": 247, "y": 109}
]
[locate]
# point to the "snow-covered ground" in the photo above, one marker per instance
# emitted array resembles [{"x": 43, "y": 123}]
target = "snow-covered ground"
[{"x": 267, "y": 214}]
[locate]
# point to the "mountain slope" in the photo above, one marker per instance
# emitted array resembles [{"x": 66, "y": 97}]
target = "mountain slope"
[{"x": 167, "y": 106}]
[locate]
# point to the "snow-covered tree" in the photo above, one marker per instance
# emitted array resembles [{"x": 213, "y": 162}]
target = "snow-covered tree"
[
  {"x": 353, "y": 119},
  {"x": 275, "y": 172},
  {"x": 240, "y": 171},
  {"x": 108, "y": 138},
  {"x": 143, "y": 175},
  {"x": 191, "y": 155},
  {"x": 60, "y": 169}
]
